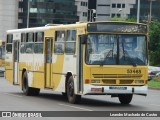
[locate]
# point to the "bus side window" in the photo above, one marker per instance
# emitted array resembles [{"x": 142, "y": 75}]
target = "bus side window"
[
  {"x": 59, "y": 42},
  {"x": 38, "y": 45},
  {"x": 23, "y": 40},
  {"x": 29, "y": 43},
  {"x": 9, "y": 43},
  {"x": 70, "y": 42},
  {"x": 30, "y": 37}
]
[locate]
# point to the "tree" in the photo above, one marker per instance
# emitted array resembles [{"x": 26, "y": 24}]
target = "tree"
[{"x": 154, "y": 43}]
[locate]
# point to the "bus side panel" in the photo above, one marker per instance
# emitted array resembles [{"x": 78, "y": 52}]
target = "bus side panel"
[
  {"x": 26, "y": 63},
  {"x": 9, "y": 68},
  {"x": 38, "y": 80},
  {"x": 68, "y": 65},
  {"x": 38, "y": 75},
  {"x": 57, "y": 73},
  {"x": 9, "y": 75}
]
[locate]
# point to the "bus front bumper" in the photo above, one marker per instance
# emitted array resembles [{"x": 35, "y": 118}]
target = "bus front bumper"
[{"x": 91, "y": 90}]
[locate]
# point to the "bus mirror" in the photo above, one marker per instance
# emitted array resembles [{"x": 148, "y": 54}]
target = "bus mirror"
[{"x": 83, "y": 39}]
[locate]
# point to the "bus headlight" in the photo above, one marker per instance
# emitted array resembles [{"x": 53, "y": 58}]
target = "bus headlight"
[{"x": 139, "y": 81}]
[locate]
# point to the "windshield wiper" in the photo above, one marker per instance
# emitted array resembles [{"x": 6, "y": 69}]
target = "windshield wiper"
[{"x": 133, "y": 63}]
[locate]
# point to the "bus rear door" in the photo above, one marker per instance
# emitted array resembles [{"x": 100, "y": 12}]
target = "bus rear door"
[
  {"x": 48, "y": 62},
  {"x": 16, "y": 61}
]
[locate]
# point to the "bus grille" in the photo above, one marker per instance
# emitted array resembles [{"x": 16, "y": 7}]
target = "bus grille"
[
  {"x": 117, "y": 75},
  {"x": 126, "y": 81},
  {"x": 109, "y": 81}
]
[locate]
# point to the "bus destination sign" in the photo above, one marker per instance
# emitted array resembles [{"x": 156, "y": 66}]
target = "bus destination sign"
[{"x": 117, "y": 27}]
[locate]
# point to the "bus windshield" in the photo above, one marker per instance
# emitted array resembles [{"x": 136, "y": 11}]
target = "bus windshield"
[{"x": 110, "y": 49}]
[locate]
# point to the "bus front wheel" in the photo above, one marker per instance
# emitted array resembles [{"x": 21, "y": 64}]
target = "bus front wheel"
[
  {"x": 72, "y": 97},
  {"x": 28, "y": 91},
  {"x": 125, "y": 98}
]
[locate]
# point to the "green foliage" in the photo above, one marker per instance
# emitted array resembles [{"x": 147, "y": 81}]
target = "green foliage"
[
  {"x": 131, "y": 20},
  {"x": 154, "y": 83},
  {"x": 122, "y": 19},
  {"x": 117, "y": 19},
  {"x": 154, "y": 43}
]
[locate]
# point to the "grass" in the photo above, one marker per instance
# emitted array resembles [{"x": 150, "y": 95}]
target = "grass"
[{"x": 155, "y": 83}]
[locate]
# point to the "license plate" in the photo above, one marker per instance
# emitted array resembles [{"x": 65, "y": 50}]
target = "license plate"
[{"x": 117, "y": 88}]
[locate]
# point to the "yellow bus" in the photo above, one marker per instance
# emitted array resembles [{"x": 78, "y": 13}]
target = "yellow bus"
[
  {"x": 94, "y": 58},
  {"x": 2, "y": 49}
]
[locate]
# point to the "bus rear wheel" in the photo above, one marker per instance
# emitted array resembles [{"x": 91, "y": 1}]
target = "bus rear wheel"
[
  {"x": 125, "y": 98},
  {"x": 72, "y": 97},
  {"x": 28, "y": 91}
]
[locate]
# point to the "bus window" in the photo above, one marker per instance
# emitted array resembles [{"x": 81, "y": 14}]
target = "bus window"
[
  {"x": 39, "y": 37},
  {"x": 38, "y": 45},
  {"x": 9, "y": 43},
  {"x": 116, "y": 49},
  {"x": 30, "y": 37},
  {"x": 29, "y": 43},
  {"x": 28, "y": 48},
  {"x": 70, "y": 42},
  {"x": 9, "y": 48},
  {"x": 59, "y": 42},
  {"x": 22, "y": 48},
  {"x": 132, "y": 49},
  {"x": 23, "y": 40}
]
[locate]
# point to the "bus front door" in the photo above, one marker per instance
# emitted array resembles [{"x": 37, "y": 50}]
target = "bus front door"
[
  {"x": 16, "y": 62},
  {"x": 48, "y": 62}
]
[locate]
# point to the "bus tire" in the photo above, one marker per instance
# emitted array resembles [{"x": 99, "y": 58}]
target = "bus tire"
[
  {"x": 28, "y": 91},
  {"x": 64, "y": 94},
  {"x": 72, "y": 97},
  {"x": 125, "y": 98},
  {"x": 35, "y": 91}
]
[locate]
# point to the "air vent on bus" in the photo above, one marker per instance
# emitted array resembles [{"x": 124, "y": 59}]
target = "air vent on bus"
[{"x": 117, "y": 75}]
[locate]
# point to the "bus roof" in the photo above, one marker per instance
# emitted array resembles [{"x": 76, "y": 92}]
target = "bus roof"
[
  {"x": 45, "y": 28},
  {"x": 27, "y": 30},
  {"x": 52, "y": 26}
]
